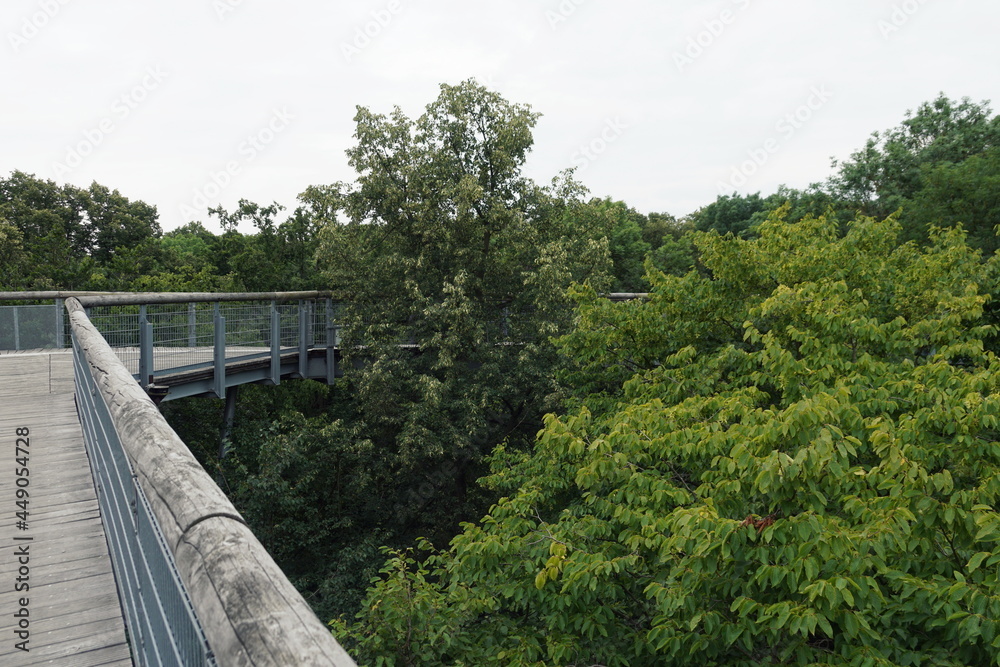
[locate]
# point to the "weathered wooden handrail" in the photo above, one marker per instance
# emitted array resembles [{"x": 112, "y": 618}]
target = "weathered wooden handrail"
[
  {"x": 45, "y": 296},
  {"x": 249, "y": 611},
  {"x": 135, "y": 298},
  {"x": 90, "y": 299},
  {"x": 196, "y": 297}
]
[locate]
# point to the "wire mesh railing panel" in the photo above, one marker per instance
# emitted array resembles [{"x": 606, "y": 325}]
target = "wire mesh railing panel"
[
  {"x": 181, "y": 338},
  {"x": 119, "y": 325},
  {"x": 9, "y": 337},
  {"x": 32, "y": 327},
  {"x": 183, "y": 335},
  {"x": 175, "y": 631},
  {"x": 162, "y": 626},
  {"x": 288, "y": 317},
  {"x": 248, "y": 329}
]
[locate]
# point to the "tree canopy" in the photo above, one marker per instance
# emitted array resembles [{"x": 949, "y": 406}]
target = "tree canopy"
[{"x": 800, "y": 466}]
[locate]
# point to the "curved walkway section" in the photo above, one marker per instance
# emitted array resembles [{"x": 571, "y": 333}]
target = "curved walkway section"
[{"x": 58, "y": 602}]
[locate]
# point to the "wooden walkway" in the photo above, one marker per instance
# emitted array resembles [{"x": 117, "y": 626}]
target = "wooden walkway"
[{"x": 74, "y": 617}]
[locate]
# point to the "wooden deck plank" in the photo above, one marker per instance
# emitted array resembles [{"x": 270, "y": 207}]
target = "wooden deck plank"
[{"x": 75, "y": 616}]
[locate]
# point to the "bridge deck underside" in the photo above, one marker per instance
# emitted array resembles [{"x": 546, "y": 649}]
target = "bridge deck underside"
[
  {"x": 74, "y": 614},
  {"x": 184, "y": 372}
]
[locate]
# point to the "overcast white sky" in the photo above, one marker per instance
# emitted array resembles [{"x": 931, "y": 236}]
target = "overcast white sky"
[{"x": 189, "y": 103}]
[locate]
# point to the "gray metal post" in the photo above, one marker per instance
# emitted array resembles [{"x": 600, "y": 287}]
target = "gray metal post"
[
  {"x": 331, "y": 344},
  {"x": 219, "y": 358},
  {"x": 145, "y": 349},
  {"x": 303, "y": 338},
  {"x": 275, "y": 344},
  {"x": 192, "y": 326},
  {"x": 60, "y": 324},
  {"x": 229, "y": 416},
  {"x": 17, "y": 330}
]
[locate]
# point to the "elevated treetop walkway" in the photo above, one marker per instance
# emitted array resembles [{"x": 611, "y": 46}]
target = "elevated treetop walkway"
[{"x": 194, "y": 586}]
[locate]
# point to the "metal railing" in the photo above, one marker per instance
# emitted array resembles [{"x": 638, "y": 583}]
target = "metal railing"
[
  {"x": 201, "y": 332},
  {"x": 162, "y": 626},
  {"x": 33, "y": 327},
  {"x": 196, "y": 586}
]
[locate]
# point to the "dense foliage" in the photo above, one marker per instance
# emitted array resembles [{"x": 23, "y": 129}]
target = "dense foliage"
[{"x": 800, "y": 468}]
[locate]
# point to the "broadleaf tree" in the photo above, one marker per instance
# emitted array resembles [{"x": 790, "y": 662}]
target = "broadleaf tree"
[
  {"x": 452, "y": 267},
  {"x": 790, "y": 457}
]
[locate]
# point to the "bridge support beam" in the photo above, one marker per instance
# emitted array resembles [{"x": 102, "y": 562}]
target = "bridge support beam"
[
  {"x": 331, "y": 344},
  {"x": 228, "y": 419}
]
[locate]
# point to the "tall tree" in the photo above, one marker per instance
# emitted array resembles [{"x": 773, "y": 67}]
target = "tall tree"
[
  {"x": 966, "y": 193},
  {"x": 74, "y": 231},
  {"x": 452, "y": 267},
  {"x": 449, "y": 247}
]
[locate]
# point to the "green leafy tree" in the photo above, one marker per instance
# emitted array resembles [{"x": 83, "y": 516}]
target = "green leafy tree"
[
  {"x": 116, "y": 224},
  {"x": 626, "y": 243},
  {"x": 729, "y": 214},
  {"x": 75, "y": 232},
  {"x": 887, "y": 170},
  {"x": 740, "y": 215},
  {"x": 278, "y": 256},
  {"x": 963, "y": 193},
  {"x": 449, "y": 247},
  {"x": 13, "y": 258},
  {"x": 791, "y": 459},
  {"x": 453, "y": 269},
  {"x": 658, "y": 227}
]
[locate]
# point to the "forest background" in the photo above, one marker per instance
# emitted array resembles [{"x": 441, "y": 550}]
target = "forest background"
[{"x": 786, "y": 454}]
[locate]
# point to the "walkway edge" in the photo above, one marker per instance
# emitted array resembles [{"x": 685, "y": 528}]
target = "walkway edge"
[{"x": 250, "y": 612}]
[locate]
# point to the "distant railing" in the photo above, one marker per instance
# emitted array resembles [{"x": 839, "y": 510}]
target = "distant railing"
[
  {"x": 32, "y": 327},
  {"x": 180, "y": 333},
  {"x": 197, "y": 587}
]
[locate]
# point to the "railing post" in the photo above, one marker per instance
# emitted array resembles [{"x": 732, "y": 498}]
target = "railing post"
[
  {"x": 145, "y": 349},
  {"x": 228, "y": 419},
  {"x": 275, "y": 344},
  {"x": 60, "y": 324},
  {"x": 219, "y": 357},
  {"x": 17, "y": 331},
  {"x": 331, "y": 344},
  {"x": 303, "y": 338},
  {"x": 192, "y": 326}
]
